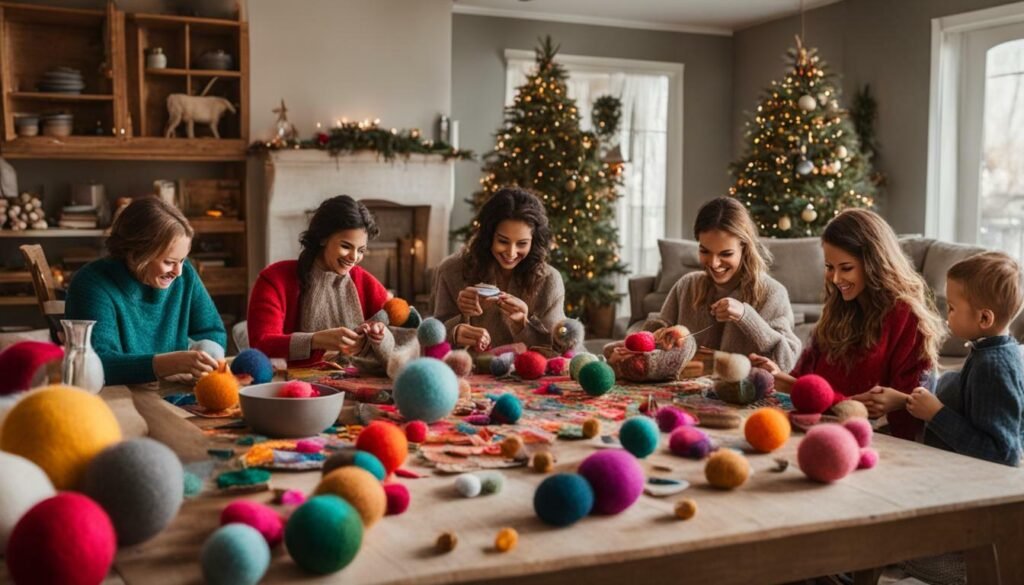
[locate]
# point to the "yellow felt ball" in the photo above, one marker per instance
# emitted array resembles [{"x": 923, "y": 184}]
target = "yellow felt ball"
[
  {"x": 60, "y": 429},
  {"x": 727, "y": 469},
  {"x": 767, "y": 429},
  {"x": 217, "y": 390},
  {"x": 358, "y": 487},
  {"x": 686, "y": 509},
  {"x": 397, "y": 310}
]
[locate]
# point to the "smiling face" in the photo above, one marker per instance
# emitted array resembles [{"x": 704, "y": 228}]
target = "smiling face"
[
  {"x": 721, "y": 254},
  {"x": 844, "y": 271},
  {"x": 343, "y": 250},
  {"x": 512, "y": 242},
  {"x": 161, "y": 271}
]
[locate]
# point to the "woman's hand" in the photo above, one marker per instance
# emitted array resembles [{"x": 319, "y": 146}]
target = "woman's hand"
[
  {"x": 513, "y": 308},
  {"x": 193, "y": 363},
  {"x": 727, "y": 309},
  {"x": 373, "y": 330},
  {"x": 469, "y": 302},
  {"x": 473, "y": 337},
  {"x": 340, "y": 339},
  {"x": 669, "y": 342},
  {"x": 881, "y": 400},
  {"x": 759, "y": 361},
  {"x": 923, "y": 405}
]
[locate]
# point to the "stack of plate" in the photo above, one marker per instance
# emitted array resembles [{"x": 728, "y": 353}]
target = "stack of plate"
[
  {"x": 62, "y": 80},
  {"x": 57, "y": 124}
]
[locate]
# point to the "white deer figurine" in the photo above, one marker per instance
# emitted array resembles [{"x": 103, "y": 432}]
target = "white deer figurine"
[{"x": 191, "y": 109}]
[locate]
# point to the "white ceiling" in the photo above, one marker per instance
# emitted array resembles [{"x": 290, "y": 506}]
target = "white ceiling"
[{"x": 700, "y": 16}]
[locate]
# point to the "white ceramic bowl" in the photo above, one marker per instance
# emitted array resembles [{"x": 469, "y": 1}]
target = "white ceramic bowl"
[{"x": 272, "y": 416}]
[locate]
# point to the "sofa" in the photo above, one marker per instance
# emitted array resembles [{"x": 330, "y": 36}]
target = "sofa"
[{"x": 799, "y": 265}]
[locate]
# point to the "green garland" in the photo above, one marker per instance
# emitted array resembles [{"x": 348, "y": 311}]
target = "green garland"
[{"x": 352, "y": 137}]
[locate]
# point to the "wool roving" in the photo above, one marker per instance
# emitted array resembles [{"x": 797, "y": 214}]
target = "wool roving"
[
  {"x": 468, "y": 485},
  {"x": 767, "y": 429},
  {"x": 812, "y": 394},
  {"x": 209, "y": 347},
  {"x": 262, "y": 517},
  {"x": 386, "y": 441},
  {"x": 235, "y": 554},
  {"x": 25, "y": 364},
  {"x": 670, "y": 418},
  {"x": 726, "y": 469},
  {"x": 254, "y": 363},
  {"x": 358, "y": 487},
  {"x": 298, "y": 389},
  {"x": 438, "y": 351},
  {"x": 363, "y": 459},
  {"x": 140, "y": 484},
  {"x": 763, "y": 382},
  {"x": 60, "y": 429},
  {"x": 828, "y": 453},
  {"x": 507, "y": 409},
  {"x": 640, "y": 341},
  {"x": 530, "y": 365},
  {"x": 578, "y": 361},
  {"x": 566, "y": 336},
  {"x": 22, "y": 485},
  {"x": 563, "y": 499},
  {"x": 639, "y": 435},
  {"x": 324, "y": 534},
  {"x": 416, "y": 431},
  {"x": 217, "y": 390},
  {"x": 617, "y": 479},
  {"x": 398, "y": 498},
  {"x": 731, "y": 367},
  {"x": 397, "y": 310},
  {"x": 431, "y": 332},
  {"x": 596, "y": 378},
  {"x": 426, "y": 390},
  {"x": 689, "y": 442},
  {"x": 460, "y": 362},
  {"x": 847, "y": 409}
]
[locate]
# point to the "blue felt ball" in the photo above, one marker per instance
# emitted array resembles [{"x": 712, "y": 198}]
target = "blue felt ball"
[
  {"x": 431, "y": 332},
  {"x": 563, "y": 499},
  {"x": 639, "y": 436},
  {"x": 501, "y": 365},
  {"x": 426, "y": 389},
  {"x": 507, "y": 409},
  {"x": 236, "y": 554},
  {"x": 255, "y": 363}
]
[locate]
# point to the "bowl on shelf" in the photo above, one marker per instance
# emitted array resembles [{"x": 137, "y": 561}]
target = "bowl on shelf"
[
  {"x": 217, "y": 59},
  {"x": 26, "y": 124},
  {"x": 276, "y": 417},
  {"x": 58, "y": 124}
]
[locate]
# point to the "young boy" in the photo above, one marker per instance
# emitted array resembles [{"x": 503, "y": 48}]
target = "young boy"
[{"x": 979, "y": 411}]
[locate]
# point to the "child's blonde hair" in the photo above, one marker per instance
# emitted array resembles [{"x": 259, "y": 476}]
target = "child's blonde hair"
[
  {"x": 991, "y": 280},
  {"x": 846, "y": 327},
  {"x": 728, "y": 215}
]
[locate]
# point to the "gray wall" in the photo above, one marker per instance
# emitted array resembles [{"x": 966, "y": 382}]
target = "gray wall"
[{"x": 478, "y": 92}]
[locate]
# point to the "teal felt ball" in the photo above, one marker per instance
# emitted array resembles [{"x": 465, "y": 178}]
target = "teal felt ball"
[
  {"x": 426, "y": 389},
  {"x": 507, "y": 409},
  {"x": 578, "y": 361},
  {"x": 324, "y": 534},
  {"x": 364, "y": 459},
  {"x": 563, "y": 499},
  {"x": 254, "y": 363},
  {"x": 236, "y": 554},
  {"x": 596, "y": 378},
  {"x": 431, "y": 332},
  {"x": 639, "y": 436}
]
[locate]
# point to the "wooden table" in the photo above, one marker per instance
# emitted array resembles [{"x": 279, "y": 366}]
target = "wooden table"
[{"x": 778, "y": 527}]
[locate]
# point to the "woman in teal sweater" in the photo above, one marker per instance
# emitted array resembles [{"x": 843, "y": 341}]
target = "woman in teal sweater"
[{"x": 146, "y": 299}]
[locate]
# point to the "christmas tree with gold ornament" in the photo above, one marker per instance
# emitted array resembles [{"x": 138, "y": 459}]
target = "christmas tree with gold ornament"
[{"x": 803, "y": 163}]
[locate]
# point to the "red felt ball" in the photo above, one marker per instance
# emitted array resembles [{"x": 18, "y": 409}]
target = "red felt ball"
[
  {"x": 67, "y": 539},
  {"x": 812, "y": 394},
  {"x": 416, "y": 431},
  {"x": 23, "y": 364},
  {"x": 263, "y": 518},
  {"x": 297, "y": 389},
  {"x": 558, "y": 366},
  {"x": 640, "y": 341},
  {"x": 386, "y": 441},
  {"x": 398, "y": 498},
  {"x": 828, "y": 453},
  {"x": 868, "y": 458},
  {"x": 530, "y": 365},
  {"x": 439, "y": 351}
]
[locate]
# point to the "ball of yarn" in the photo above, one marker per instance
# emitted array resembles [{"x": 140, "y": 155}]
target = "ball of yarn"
[
  {"x": 386, "y": 441},
  {"x": 686, "y": 509},
  {"x": 731, "y": 367},
  {"x": 358, "y": 487},
  {"x": 501, "y": 365},
  {"x": 530, "y": 365},
  {"x": 324, "y": 534},
  {"x": 235, "y": 554},
  {"x": 578, "y": 361},
  {"x": 468, "y": 485},
  {"x": 439, "y": 351},
  {"x": 640, "y": 341},
  {"x": 397, "y": 497},
  {"x": 563, "y": 499},
  {"x": 762, "y": 381},
  {"x": 861, "y": 430},
  {"x": 254, "y": 363},
  {"x": 210, "y": 348},
  {"x": 689, "y": 442},
  {"x": 60, "y": 429},
  {"x": 491, "y": 482},
  {"x": 811, "y": 394},
  {"x": 557, "y": 366},
  {"x": 140, "y": 484},
  {"x": 66, "y": 539},
  {"x": 431, "y": 332},
  {"x": 567, "y": 335},
  {"x": 740, "y": 392},
  {"x": 591, "y": 428},
  {"x": 617, "y": 479},
  {"x": 23, "y": 364},
  {"x": 727, "y": 469},
  {"x": 362, "y": 459},
  {"x": 460, "y": 362},
  {"x": 828, "y": 453},
  {"x": 596, "y": 378},
  {"x": 416, "y": 431},
  {"x": 639, "y": 436},
  {"x": 262, "y": 517},
  {"x": 507, "y": 409},
  {"x": 426, "y": 390},
  {"x": 22, "y": 485},
  {"x": 670, "y": 418},
  {"x": 218, "y": 390},
  {"x": 543, "y": 462},
  {"x": 397, "y": 310},
  {"x": 767, "y": 429},
  {"x": 847, "y": 409},
  {"x": 868, "y": 458},
  {"x": 298, "y": 389}
]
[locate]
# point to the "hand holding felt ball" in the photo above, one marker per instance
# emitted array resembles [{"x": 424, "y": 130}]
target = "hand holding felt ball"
[
  {"x": 397, "y": 310},
  {"x": 671, "y": 337},
  {"x": 194, "y": 363},
  {"x": 372, "y": 331},
  {"x": 219, "y": 390}
]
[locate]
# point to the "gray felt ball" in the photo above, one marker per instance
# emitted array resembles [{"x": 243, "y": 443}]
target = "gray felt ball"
[
  {"x": 140, "y": 483},
  {"x": 212, "y": 348}
]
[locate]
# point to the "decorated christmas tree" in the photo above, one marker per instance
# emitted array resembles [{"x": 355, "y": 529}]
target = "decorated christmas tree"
[
  {"x": 803, "y": 163},
  {"x": 541, "y": 147}
]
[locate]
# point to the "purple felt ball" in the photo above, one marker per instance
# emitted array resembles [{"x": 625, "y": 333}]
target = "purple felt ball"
[
  {"x": 763, "y": 382},
  {"x": 689, "y": 442},
  {"x": 670, "y": 418},
  {"x": 617, "y": 479}
]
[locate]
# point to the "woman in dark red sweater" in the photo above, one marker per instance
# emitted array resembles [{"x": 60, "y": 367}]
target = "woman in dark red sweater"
[
  {"x": 301, "y": 308},
  {"x": 879, "y": 331}
]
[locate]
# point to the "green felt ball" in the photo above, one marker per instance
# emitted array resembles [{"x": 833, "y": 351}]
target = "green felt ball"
[
  {"x": 578, "y": 361},
  {"x": 324, "y": 534},
  {"x": 596, "y": 378},
  {"x": 491, "y": 482},
  {"x": 639, "y": 436}
]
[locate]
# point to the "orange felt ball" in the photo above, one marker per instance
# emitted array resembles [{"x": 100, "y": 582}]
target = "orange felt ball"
[
  {"x": 358, "y": 487},
  {"x": 386, "y": 441},
  {"x": 727, "y": 469},
  {"x": 397, "y": 310},
  {"x": 767, "y": 429},
  {"x": 217, "y": 390}
]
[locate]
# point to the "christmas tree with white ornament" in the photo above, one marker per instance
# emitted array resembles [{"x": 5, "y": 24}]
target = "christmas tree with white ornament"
[{"x": 803, "y": 163}]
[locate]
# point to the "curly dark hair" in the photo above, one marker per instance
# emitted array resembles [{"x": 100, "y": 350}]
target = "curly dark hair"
[
  {"x": 510, "y": 203},
  {"x": 333, "y": 215}
]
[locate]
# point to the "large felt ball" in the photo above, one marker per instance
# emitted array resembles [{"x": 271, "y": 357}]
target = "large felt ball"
[
  {"x": 60, "y": 429},
  {"x": 828, "y": 453},
  {"x": 727, "y": 469},
  {"x": 639, "y": 436},
  {"x": 210, "y": 348},
  {"x": 811, "y": 394},
  {"x": 22, "y": 485},
  {"x": 398, "y": 498},
  {"x": 762, "y": 381},
  {"x": 24, "y": 364},
  {"x": 507, "y": 409},
  {"x": 297, "y": 389},
  {"x": 596, "y": 378},
  {"x": 140, "y": 484},
  {"x": 386, "y": 441},
  {"x": 67, "y": 539},
  {"x": 217, "y": 390},
  {"x": 235, "y": 554},
  {"x": 397, "y": 310},
  {"x": 578, "y": 361},
  {"x": 439, "y": 351},
  {"x": 363, "y": 459},
  {"x": 530, "y": 365},
  {"x": 262, "y": 517},
  {"x": 731, "y": 367},
  {"x": 460, "y": 362},
  {"x": 617, "y": 479},
  {"x": 431, "y": 332},
  {"x": 670, "y": 418},
  {"x": 689, "y": 442},
  {"x": 254, "y": 363},
  {"x": 640, "y": 341},
  {"x": 767, "y": 429},
  {"x": 861, "y": 430},
  {"x": 324, "y": 534},
  {"x": 563, "y": 499},
  {"x": 359, "y": 488},
  {"x": 426, "y": 389},
  {"x": 416, "y": 431}
]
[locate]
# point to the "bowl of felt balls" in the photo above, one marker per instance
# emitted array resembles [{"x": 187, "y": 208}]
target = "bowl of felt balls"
[{"x": 290, "y": 409}]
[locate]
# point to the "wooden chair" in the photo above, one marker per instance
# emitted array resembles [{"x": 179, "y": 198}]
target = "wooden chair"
[{"x": 42, "y": 282}]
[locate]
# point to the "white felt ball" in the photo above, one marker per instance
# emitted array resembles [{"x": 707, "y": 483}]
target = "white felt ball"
[
  {"x": 731, "y": 367},
  {"x": 807, "y": 103},
  {"x": 212, "y": 348},
  {"x": 468, "y": 485},
  {"x": 22, "y": 485}
]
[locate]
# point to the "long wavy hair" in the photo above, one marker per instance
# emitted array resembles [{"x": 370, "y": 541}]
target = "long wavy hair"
[
  {"x": 338, "y": 213},
  {"x": 510, "y": 203},
  {"x": 728, "y": 215},
  {"x": 847, "y": 328}
]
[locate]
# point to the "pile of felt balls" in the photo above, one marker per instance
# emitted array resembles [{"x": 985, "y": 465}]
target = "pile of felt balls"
[
  {"x": 398, "y": 312},
  {"x": 813, "y": 396},
  {"x": 607, "y": 483},
  {"x": 218, "y": 390},
  {"x": 738, "y": 382}
]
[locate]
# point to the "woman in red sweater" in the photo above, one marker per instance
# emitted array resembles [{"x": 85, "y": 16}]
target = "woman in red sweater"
[
  {"x": 301, "y": 308},
  {"x": 879, "y": 331}
]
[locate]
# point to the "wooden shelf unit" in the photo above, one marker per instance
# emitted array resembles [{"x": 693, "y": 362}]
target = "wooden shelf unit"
[{"x": 53, "y": 233}]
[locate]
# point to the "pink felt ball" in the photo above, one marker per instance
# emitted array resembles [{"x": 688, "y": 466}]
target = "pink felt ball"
[
  {"x": 861, "y": 430},
  {"x": 640, "y": 341},
  {"x": 309, "y": 446},
  {"x": 670, "y": 418},
  {"x": 66, "y": 539},
  {"x": 416, "y": 431},
  {"x": 558, "y": 366},
  {"x": 298, "y": 389},
  {"x": 460, "y": 362},
  {"x": 616, "y": 477},
  {"x": 812, "y": 394},
  {"x": 868, "y": 458},
  {"x": 691, "y": 442},
  {"x": 398, "y": 498},
  {"x": 530, "y": 365},
  {"x": 438, "y": 351},
  {"x": 263, "y": 518},
  {"x": 828, "y": 453}
]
